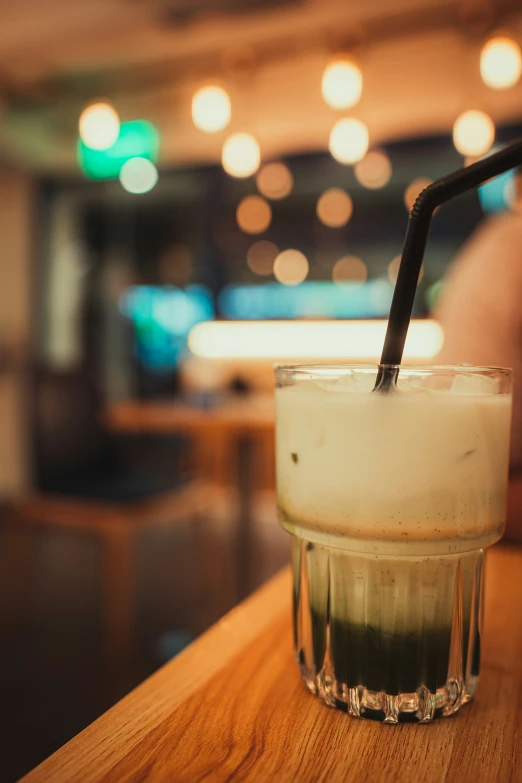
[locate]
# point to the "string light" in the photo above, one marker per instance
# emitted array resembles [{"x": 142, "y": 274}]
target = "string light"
[
  {"x": 500, "y": 63},
  {"x": 349, "y": 140},
  {"x": 253, "y": 215},
  {"x": 473, "y": 133},
  {"x": 349, "y": 269},
  {"x": 341, "y": 85},
  {"x": 241, "y": 155},
  {"x": 261, "y": 256},
  {"x": 275, "y": 180},
  {"x": 291, "y": 267},
  {"x": 334, "y": 208},
  {"x": 374, "y": 170},
  {"x": 469, "y": 159},
  {"x": 99, "y": 126},
  {"x": 138, "y": 175},
  {"x": 211, "y": 110}
]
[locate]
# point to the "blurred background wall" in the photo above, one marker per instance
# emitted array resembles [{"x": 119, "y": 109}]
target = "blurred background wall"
[
  {"x": 16, "y": 231},
  {"x": 128, "y": 262}
]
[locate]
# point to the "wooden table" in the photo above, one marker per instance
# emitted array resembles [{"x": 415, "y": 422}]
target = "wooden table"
[
  {"x": 215, "y": 430},
  {"x": 223, "y": 438},
  {"x": 232, "y": 707},
  {"x": 248, "y": 414}
]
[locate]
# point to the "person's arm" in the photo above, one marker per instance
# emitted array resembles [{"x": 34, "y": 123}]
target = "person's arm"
[
  {"x": 479, "y": 306},
  {"x": 482, "y": 321},
  {"x": 479, "y": 309}
]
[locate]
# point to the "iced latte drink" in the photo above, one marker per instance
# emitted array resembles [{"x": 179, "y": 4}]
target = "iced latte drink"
[{"x": 391, "y": 500}]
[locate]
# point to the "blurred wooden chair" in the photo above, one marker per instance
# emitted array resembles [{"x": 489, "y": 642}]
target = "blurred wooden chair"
[{"x": 86, "y": 485}]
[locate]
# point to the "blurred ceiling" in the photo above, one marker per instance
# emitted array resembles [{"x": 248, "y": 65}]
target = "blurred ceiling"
[{"x": 419, "y": 60}]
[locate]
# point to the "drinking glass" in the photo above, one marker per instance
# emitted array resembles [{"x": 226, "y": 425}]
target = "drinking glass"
[{"x": 391, "y": 500}]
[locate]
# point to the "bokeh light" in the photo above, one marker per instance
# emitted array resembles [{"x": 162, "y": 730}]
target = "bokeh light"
[
  {"x": 334, "y": 207},
  {"x": 414, "y": 189},
  {"x": 99, "y": 126},
  {"x": 341, "y": 86},
  {"x": 433, "y": 293},
  {"x": 470, "y": 159},
  {"x": 136, "y": 139},
  {"x": 500, "y": 63},
  {"x": 349, "y": 140},
  {"x": 497, "y": 194},
  {"x": 162, "y": 317},
  {"x": 138, "y": 175},
  {"x": 291, "y": 340},
  {"x": 374, "y": 170},
  {"x": 253, "y": 215},
  {"x": 393, "y": 270},
  {"x": 261, "y": 256},
  {"x": 349, "y": 269},
  {"x": 513, "y": 194},
  {"x": 310, "y": 299},
  {"x": 291, "y": 267},
  {"x": 473, "y": 133},
  {"x": 241, "y": 155},
  {"x": 211, "y": 109},
  {"x": 274, "y": 180}
]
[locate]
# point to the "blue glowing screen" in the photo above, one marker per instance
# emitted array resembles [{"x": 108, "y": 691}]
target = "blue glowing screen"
[
  {"x": 162, "y": 318},
  {"x": 495, "y": 195},
  {"x": 307, "y": 300}
]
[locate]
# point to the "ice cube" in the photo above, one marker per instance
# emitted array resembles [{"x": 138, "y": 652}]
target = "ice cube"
[
  {"x": 346, "y": 382},
  {"x": 411, "y": 382},
  {"x": 328, "y": 384},
  {"x": 356, "y": 381},
  {"x": 469, "y": 383}
]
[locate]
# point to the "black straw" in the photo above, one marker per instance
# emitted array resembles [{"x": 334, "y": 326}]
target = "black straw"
[{"x": 428, "y": 200}]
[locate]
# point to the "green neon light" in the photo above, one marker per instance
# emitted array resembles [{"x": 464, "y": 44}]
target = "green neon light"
[{"x": 138, "y": 138}]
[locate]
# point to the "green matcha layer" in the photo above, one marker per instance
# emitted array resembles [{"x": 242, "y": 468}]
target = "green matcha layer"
[
  {"x": 388, "y": 624},
  {"x": 363, "y": 655}
]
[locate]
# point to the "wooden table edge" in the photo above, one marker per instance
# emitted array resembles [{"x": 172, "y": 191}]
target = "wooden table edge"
[{"x": 114, "y": 733}]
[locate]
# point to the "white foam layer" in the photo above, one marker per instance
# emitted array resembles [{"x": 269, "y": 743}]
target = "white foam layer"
[{"x": 416, "y": 466}]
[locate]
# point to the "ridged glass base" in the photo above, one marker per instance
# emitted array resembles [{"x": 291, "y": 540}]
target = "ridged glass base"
[
  {"x": 422, "y": 706},
  {"x": 390, "y": 639}
]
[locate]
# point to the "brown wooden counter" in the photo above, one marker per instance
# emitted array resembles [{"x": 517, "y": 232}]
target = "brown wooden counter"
[{"x": 232, "y": 707}]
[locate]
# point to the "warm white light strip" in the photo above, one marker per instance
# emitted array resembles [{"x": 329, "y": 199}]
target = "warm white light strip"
[{"x": 308, "y": 340}]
